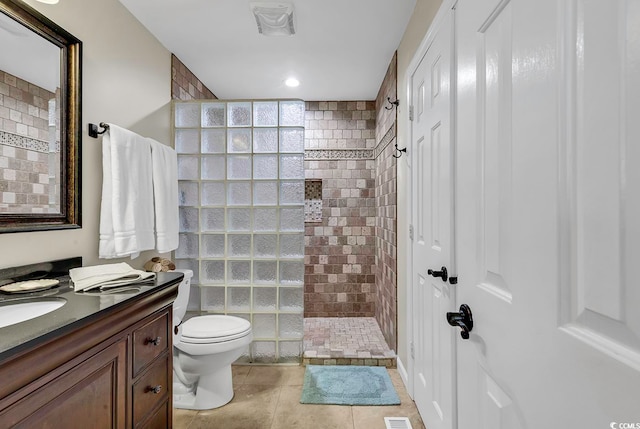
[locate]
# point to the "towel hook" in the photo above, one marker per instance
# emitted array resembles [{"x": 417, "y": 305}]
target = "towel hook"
[
  {"x": 399, "y": 152},
  {"x": 93, "y": 129},
  {"x": 393, "y": 103}
]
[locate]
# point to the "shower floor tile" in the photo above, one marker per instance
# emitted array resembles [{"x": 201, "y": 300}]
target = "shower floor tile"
[{"x": 345, "y": 341}]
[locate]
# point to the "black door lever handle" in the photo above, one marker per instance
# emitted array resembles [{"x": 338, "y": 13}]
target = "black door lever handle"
[
  {"x": 463, "y": 319},
  {"x": 442, "y": 273}
]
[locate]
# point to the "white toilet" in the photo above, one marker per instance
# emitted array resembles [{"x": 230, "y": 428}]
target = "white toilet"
[{"x": 204, "y": 347}]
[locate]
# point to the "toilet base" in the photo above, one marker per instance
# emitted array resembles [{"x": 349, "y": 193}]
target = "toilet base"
[{"x": 212, "y": 391}]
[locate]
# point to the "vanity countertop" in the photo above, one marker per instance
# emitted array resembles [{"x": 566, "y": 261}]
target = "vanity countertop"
[{"x": 81, "y": 308}]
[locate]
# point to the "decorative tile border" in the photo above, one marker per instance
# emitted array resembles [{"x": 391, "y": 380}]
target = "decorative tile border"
[
  {"x": 15, "y": 140},
  {"x": 388, "y": 138},
  {"x": 336, "y": 154}
]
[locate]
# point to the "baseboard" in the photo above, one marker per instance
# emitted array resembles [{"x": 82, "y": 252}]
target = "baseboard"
[{"x": 404, "y": 375}]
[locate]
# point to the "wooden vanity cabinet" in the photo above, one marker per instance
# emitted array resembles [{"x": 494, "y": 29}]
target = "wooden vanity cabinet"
[
  {"x": 152, "y": 372},
  {"x": 114, "y": 372},
  {"x": 87, "y": 389}
]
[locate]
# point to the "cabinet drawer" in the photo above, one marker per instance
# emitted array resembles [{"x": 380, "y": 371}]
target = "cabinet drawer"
[
  {"x": 160, "y": 418},
  {"x": 149, "y": 341},
  {"x": 151, "y": 388}
]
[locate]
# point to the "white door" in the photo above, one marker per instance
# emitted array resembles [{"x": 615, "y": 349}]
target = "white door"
[
  {"x": 433, "y": 340},
  {"x": 548, "y": 213}
]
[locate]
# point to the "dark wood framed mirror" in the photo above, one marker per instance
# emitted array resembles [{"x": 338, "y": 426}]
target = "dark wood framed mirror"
[{"x": 40, "y": 122}]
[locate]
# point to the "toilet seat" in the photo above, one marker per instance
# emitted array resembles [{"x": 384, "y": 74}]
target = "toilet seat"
[{"x": 214, "y": 329}]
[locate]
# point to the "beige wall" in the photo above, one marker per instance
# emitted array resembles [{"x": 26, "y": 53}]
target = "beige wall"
[
  {"x": 126, "y": 76},
  {"x": 423, "y": 14},
  {"x": 126, "y": 81}
]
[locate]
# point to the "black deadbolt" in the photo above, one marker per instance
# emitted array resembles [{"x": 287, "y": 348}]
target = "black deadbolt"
[{"x": 442, "y": 273}]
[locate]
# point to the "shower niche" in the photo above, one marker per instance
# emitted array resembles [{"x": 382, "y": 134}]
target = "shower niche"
[{"x": 313, "y": 200}]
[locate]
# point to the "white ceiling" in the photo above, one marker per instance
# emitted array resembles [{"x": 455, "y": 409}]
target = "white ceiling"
[{"x": 341, "y": 49}]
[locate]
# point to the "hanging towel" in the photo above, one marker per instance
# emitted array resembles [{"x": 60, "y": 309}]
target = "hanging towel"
[
  {"x": 126, "y": 213},
  {"x": 165, "y": 193}
]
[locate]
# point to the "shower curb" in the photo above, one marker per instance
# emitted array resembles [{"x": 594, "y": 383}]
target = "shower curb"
[{"x": 386, "y": 362}]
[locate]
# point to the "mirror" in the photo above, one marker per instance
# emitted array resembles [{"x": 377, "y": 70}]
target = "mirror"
[{"x": 40, "y": 87}]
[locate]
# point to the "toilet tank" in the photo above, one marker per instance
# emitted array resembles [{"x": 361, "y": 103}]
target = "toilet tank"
[{"x": 182, "y": 300}]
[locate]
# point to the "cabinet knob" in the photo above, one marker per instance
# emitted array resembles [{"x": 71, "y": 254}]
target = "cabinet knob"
[
  {"x": 155, "y": 389},
  {"x": 155, "y": 341}
]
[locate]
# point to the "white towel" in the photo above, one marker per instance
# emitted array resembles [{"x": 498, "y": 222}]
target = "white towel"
[
  {"x": 165, "y": 193},
  {"x": 126, "y": 214},
  {"x": 107, "y": 276}
]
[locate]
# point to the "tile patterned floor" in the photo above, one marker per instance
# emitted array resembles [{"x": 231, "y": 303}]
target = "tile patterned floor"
[
  {"x": 268, "y": 397},
  {"x": 345, "y": 341}
]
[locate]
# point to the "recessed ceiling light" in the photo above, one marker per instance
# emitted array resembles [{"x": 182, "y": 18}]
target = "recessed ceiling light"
[
  {"x": 292, "y": 82},
  {"x": 49, "y": 1},
  {"x": 274, "y": 19}
]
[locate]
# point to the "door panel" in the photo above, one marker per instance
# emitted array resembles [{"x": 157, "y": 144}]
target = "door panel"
[
  {"x": 548, "y": 212},
  {"x": 601, "y": 182},
  {"x": 494, "y": 136},
  {"x": 433, "y": 340},
  {"x": 497, "y": 408}
]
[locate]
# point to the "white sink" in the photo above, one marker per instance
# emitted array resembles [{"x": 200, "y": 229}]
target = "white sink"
[{"x": 17, "y": 311}]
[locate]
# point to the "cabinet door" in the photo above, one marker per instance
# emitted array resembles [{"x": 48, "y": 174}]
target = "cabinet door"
[{"x": 90, "y": 395}]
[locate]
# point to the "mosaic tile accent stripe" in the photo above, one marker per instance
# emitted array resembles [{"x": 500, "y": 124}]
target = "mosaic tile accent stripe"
[
  {"x": 338, "y": 154},
  {"x": 388, "y": 138},
  {"x": 24, "y": 142}
]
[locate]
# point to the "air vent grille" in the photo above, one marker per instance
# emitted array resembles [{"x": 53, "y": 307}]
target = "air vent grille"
[{"x": 397, "y": 423}]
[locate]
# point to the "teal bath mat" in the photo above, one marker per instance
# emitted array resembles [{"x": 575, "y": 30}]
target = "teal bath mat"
[{"x": 348, "y": 385}]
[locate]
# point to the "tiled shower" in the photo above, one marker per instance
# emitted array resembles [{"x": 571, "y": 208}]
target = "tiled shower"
[
  {"x": 241, "y": 184},
  {"x": 342, "y": 220},
  {"x": 350, "y": 244}
]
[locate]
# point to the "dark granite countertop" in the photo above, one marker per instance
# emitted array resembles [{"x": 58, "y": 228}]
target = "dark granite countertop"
[{"x": 80, "y": 308}]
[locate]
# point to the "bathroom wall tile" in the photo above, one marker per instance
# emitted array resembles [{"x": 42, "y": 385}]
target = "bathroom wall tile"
[
  {"x": 185, "y": 85},
  {"x": 332, "y": 283},
  {"x": 351, "y": 253},
  {"x": 386, "y": 208},
  {"x": 24, "y": 142}
]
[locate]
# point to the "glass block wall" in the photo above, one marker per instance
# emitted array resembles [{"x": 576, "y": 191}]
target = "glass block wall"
[{"x": 241, "y": 180}]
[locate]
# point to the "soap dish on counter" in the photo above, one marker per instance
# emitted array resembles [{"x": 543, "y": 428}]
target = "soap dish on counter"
[{"x": 29, "y": 286}]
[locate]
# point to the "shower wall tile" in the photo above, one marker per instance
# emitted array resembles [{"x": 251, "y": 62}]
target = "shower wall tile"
[
  {"x": 385, "y": 237},
  {"x": 340, "y": 125},
  {"x": 340, "y": 247},
  {"x": 351, "y": 254},
  {"x": 386, "y": 209},
  {"x": 29, "y": 147},
  {"x": 386, "y": 118},
  {"x": 185, "y": 85}
]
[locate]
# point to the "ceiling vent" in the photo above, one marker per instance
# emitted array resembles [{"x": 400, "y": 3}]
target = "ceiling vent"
[{"x": 274, "y": 19}]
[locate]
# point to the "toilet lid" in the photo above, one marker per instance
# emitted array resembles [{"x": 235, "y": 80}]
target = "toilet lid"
[{"x": 214, "y": 329}]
